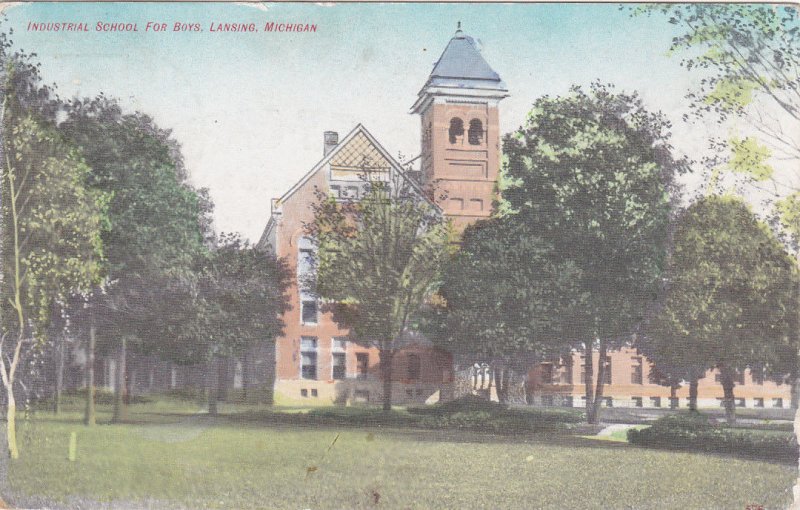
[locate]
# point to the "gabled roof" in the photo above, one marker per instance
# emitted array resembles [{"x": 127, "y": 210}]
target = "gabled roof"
[{"x": 340, "y": 153}]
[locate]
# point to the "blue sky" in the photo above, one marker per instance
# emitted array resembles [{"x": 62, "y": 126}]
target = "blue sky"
[{"x": 249, "y": 108}]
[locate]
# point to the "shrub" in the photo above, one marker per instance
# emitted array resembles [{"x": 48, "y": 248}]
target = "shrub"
[
  {"x": 684, "y": 432},
  {"x": 467, "y": 403}
]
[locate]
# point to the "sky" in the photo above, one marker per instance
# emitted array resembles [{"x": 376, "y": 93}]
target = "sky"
[{"x": 249, "y": 109}]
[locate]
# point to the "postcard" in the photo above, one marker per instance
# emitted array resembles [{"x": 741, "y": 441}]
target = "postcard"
[{"x": 399, "y": 255}]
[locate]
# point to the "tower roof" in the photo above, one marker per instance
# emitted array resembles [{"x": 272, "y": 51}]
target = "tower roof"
[
  {"x": 462, "y": 70},
  {"x": 461, "y": 60}
]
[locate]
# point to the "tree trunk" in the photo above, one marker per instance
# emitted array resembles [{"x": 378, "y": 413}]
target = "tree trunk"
[
  {"x": 211, "y": 386},
  {"x": 11, "y": 423},
  {"x": 588, "y": 379},
  {"x": 673, "y": 396},
  {"x": 727, "y": 395},
  {"x": 501, "y": 384},
  {"x": 222, "y": 379},
  {"x": 120, "y": 398},
  {"x": 386, "y": 372},
  {"x": 245, "y": 375},
  {"x": 594, "y": 417},
  {"x": 693, "y": 394},
  {"x": 89, "y": 416},
  {"x": 59, "y": 374}
]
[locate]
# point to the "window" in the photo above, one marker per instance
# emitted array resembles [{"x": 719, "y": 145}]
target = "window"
[
  {"x": 546, "y": 371},
  {"x": 457, "y": 204},
  {"x": 718, "y": 377},
  {"x": 308, "y": 311},
  {"x": 351, "y": 192},
  {"x": 739, "y": 377},
  {"x": 476, "y": 204},
  {"x": 308, "y": 357},
  {"x": 336, "y": 190},
  {"x": 673, "y": 402},
  {"x": 566, "y": 372},
  {"x": 583, "y": 374},
  {"x": 304, "y": 392},
  {"x": 338, "y": 358},
  {"x": 413, "y": 367},
  {"x": 636, "y": 370},
  {"x": 609, "y": 401},
  {"x": 739, "y": 402},
  {"x": 777, "y": 402},
  {"x": 475, "y": 134},
  {"x": 339, "y": 368},
  {"x": 607, "y": 374},
  {"x": 362, "y": 364},
  {"x": 758, "y": 402},
  {"x": 305, "y": 260},
  {"x": 637, "y": 401},
  {"x": 456, "y": 129},
  {"x": 567, "y": 402},
  {"x": 314, "y": 392},
  {"x": 721, "y": 401},
  {"x": 655, "y": 401},
  {"x": 758, "y": 375}
]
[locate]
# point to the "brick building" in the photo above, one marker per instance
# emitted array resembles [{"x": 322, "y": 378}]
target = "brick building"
[{"x": 459, "y": 158}]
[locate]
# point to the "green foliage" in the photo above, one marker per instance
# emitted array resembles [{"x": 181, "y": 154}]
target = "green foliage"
[
  {"x": 731, "y": 295},
  {"x": 242, "y": 294},
  {"x": 741, "y": 49},
  {"x": 506, "y": 294},
  {"x": 59, "y": 221},
  {"x": 695, "y": 433},
  {"x": 379, "y": 258},
  {"x": 750, "y": 157},
  {"x": 591, "y": 175},
  {"x": 157, "y": 225},
  {"x": 789, "y": 212}
]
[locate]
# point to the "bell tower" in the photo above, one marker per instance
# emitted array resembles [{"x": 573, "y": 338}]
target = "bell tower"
[{"x": 458, "y": 107}]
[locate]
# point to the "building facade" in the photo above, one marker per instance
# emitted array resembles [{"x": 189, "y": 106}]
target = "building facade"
[
  {"x": 632, "y": 381},
  {"x": 459, "y": 163}
]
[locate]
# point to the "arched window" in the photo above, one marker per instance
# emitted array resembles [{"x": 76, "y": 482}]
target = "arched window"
[
  {"x": 475, "y": 134},
  {"x": 456, "y": 129}
]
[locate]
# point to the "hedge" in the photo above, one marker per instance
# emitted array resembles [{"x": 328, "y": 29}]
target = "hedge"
[{"x": 696, "y": 433}]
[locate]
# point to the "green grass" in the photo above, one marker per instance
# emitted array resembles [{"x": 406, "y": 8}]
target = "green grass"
[{"x": 177, "y": 458}]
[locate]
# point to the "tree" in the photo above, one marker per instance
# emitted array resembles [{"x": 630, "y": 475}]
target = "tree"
[
  {"x": 51, "y": 223},
  {"x": 505, "y": 299},
  {"x": 378, "y": 260},
  {"x": 591, "y": 173},
  {"x": 158, "y": 225},
  {"x": 241, "y": 296},
  {"x": 730, "y": 301}
]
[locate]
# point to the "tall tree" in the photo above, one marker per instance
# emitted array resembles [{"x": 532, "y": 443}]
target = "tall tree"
[
  {"x": 158, "y": 226},
  {"x": 378, "y": 259},
  {"x": 51, "y": 231},
  {"x": 731, "y": 299},
  {"x": 591, "y": 173},
  {"x": 236, "y": 301},
  {"x": 506, "y": 299}
]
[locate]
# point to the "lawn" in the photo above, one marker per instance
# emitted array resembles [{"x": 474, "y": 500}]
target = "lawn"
[{"x": 170, "y": 457}]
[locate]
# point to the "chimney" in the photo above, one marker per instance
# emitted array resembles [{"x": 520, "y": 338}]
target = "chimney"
[{"x": 331, "y": 141}]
